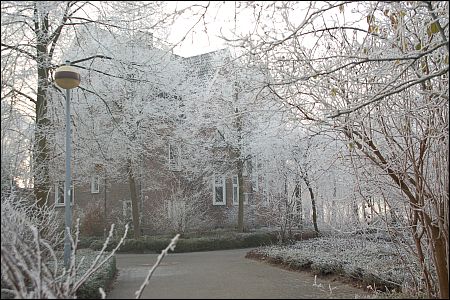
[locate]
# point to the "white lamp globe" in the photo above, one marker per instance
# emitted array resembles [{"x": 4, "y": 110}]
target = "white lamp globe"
[{"x": 67, "y": 77}]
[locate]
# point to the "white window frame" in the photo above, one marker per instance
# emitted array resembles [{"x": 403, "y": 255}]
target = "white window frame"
[
  {"x": 174, "y": 164},
  {"x": 57, "y": 187},
  {"x": 95, "y": 184},
  {"x": 235, "y": 186},
  {"x": 224, "y": 190}
]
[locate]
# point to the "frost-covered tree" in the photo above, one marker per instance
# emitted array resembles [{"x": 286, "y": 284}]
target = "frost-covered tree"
[
  {"x": 222, "y": 124},
  {"x": 16, "y": 130},
  {"x": 377, "y": 74},
  {"x": 38, "y": 36},
  {"x": 126, "y": 107},
  {"x": 35, "y": 37}
]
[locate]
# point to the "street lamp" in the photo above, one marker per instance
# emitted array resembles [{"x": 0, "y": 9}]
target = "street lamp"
[{"x": 67, "y": 78}]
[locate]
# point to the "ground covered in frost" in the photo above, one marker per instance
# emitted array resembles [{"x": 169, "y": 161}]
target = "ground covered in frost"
[{"x": 379, "y": 264}]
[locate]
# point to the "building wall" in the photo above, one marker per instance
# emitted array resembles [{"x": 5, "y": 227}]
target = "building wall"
[
  {"x": 154, "y": 204},
  {"x": 160, "y": 190}
]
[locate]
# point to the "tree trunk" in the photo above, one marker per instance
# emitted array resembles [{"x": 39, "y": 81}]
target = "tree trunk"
[
  {"x": 439, "y": 255},
  {"x": 290, "y": 206},
  {"x": 41, "y": 161},
  {"x": 298, "y": 205},
  {"x": 41, "y": 150},
  {"x": 105, "y": 229},
  {"x": 241, "y": 196},
  {"x": 420, "y": 254},
  {"x": 134, "y": 202},
  {"x": 355, "y": 211},
  {"x": 313, "y": 203},
  {"x": 239, "y": 162}
]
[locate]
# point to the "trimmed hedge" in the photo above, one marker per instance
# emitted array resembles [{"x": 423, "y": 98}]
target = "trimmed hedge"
[
  {"x": 85, "y": 242},
  {"x": 103, "y": 277},
  {"x": 155, "y": 244}
]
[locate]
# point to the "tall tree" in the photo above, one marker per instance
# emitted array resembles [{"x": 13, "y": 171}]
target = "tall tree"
[
  {"x": 220, "y": 110},
  {"x": 35, "y": 37},
  {"x": 376, "y": 73}
]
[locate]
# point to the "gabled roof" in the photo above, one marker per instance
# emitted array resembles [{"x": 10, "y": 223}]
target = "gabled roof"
[{"x": 204, "y": 66}]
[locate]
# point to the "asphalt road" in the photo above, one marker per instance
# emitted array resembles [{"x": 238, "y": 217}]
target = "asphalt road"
[{"x": 219, "y": 275}]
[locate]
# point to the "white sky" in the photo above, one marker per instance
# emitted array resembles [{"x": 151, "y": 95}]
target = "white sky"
[{"x": 220, "y": 15}]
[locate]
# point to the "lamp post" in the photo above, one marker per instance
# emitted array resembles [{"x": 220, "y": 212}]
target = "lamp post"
[{"x": 67, "y": 78}]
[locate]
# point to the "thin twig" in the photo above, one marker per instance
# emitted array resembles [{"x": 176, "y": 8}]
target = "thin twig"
[{"x": 171, "y": 246}]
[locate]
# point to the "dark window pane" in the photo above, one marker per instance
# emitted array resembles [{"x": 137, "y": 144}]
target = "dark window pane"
[{"x": 219, "y": 194}]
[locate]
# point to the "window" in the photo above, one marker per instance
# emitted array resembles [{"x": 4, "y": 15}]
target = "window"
[
  {"x": 95, "y": 184},
  {"x": 235, "y": 190},
  {"x": 174, "y": 158},
  {"x": 219, "y": 192},
  {"x": 59, "y": 194}
]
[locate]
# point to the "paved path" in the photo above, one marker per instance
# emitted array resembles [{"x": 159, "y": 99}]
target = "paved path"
[{"x": 218, "y": 274}]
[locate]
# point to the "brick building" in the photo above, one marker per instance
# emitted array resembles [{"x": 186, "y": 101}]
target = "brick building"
[{"x": 171, "y": 197}]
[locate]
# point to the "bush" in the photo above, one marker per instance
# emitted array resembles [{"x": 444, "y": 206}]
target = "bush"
[
  {"x": 103, "y": 277},
  {"x": 97, "y": 245},
  {"x": 259, "y": 239},
  {"x": 189, "y": 243},
  {"x": 194, "y": 244},
  {"x": 85, "y": 242},
  {"x": 300, "y": 264},
  {"x": 326, "y": 268},
  {"x": 144, "y": 245},
  {"x": 32, "y": 264},
  {"x": 370, "y": 263}
]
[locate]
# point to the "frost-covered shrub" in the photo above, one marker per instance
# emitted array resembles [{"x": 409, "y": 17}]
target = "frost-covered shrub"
[
  {"x": 85, "y": 242},
  {"x": 300, "y": 263},
  {"x": 30, "y": 266},
  {"x": 189, "y": 243},
  {"x": 378, "y": 263},
  {"x": 99, "y": 279},
  {"x": 332, "y": 266},
  {"x": 18, "y": 213},
  {"x": 29, "y": 235}
]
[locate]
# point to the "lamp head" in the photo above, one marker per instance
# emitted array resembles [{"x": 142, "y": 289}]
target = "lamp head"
[{"x": 67, "y": 77}]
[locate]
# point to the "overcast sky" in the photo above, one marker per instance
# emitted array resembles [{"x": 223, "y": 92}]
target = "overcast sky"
[{"x": 220, "y": 15}]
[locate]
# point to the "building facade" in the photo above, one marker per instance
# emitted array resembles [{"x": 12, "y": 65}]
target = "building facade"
[{"x": 178, "y": 187}]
